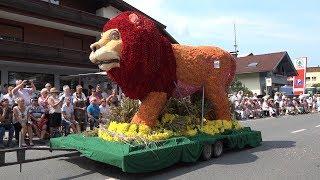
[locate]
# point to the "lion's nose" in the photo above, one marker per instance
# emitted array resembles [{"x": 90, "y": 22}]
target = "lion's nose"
[{"x": 94, "y": 47}]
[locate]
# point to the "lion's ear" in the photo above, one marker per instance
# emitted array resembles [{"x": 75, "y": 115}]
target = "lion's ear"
[{"x": 134, "y": 19}]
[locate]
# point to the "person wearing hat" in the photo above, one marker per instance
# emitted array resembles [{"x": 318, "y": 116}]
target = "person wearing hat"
[
  {"x": 6, "y": 122},
  {"x": 55, "y": 105}
]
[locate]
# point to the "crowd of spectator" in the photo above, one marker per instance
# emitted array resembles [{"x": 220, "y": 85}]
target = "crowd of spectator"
[
  {"x": 250, "y": 107},
  {"x": 25, "y": 114},
  {"x": 51, "y": 113}
]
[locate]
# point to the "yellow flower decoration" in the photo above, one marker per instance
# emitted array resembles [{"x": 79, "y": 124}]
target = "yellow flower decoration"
[{"x": 127, "y": 131}]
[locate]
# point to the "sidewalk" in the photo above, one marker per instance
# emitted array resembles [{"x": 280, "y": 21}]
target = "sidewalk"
[{"x": 268, "y": 118}]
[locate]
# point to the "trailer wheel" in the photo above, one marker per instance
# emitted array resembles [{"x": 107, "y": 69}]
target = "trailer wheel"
[
  {"x": 207, "y": 152},
  {"x": 217, "y": 149}
]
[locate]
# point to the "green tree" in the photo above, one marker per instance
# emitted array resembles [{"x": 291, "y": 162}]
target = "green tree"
[{"x": 238, "y": 86}]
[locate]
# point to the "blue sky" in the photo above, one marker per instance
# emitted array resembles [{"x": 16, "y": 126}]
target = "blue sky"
[{"x": 262, "y": 26}]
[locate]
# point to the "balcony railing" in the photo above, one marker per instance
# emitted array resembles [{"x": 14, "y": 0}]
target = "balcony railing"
[
  {"x": 44, "y": 54},
  {"x": 56, "y": 12}
]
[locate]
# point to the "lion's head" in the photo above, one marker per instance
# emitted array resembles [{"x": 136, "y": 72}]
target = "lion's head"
[
  {"x": 106, "y": 52},
  {"x": 136, "y": 55}
]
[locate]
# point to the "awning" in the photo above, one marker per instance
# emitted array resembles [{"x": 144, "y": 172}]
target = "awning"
[
  {"x": 87, "y": 74},
  {"x": 68, "y": 77}
]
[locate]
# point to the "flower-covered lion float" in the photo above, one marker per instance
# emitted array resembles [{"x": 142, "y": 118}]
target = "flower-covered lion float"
[{"x": 143, "y": 62}]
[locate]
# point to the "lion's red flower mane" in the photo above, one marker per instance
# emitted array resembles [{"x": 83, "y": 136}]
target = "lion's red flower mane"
[{"x": 147, "y": 62}]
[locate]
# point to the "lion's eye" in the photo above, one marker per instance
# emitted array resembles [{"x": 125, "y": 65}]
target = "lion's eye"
[{"x": 115, "y": 35}]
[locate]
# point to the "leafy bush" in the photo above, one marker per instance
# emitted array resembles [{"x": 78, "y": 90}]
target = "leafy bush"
[
  {"x": 124, "y": 112},
  {"x": 237, "y": 86}
]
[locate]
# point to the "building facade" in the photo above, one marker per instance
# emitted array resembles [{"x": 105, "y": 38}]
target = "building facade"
[
  {"x": 312, "y": 76},
  {"x": 45, "y": 40},
  {"x": 254, "y": 70}
]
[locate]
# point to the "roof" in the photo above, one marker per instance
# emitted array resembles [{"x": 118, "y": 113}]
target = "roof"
[
  {"x": 260, "y": 63},
  {"x": 313, "y": 69}
]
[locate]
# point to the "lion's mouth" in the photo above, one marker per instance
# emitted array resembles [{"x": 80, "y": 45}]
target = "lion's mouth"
[
  {"x": 109, "y": 61},
  {"x": 106, "y": 65}
]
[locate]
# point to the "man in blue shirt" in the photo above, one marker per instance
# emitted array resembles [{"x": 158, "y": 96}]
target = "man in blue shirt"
[{"x": 93, "y": 113}]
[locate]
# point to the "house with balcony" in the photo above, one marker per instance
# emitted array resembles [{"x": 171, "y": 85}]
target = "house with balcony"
[
  {"x": 253, "y": 70},
  {"x": 46, "y": 40},
  {"x": 313, "y": 76}
]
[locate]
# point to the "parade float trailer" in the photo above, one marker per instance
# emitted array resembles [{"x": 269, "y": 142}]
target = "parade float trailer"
[
  {"x": 147, "y": 67},
  {"x": 142, "y": 158}
]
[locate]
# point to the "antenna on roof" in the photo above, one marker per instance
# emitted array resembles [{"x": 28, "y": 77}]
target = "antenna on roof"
[{"x": 235, "y": 52}]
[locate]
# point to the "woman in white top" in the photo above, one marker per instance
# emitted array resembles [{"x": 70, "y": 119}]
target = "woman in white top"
[
  {"x": 20, "y": 114},
  {"x": 104, "y": 111},
  {"x": 21, "y": 91},
  {"x": 265, "y": 107},
  {"x": 68, "y": 119},
  {"x": 10, "y": 96}
]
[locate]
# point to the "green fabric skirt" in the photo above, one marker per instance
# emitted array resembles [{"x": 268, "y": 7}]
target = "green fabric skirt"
[{"x": 157, "y": 155}]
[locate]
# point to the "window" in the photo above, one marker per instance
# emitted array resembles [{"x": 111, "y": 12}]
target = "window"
[
  {"x": 314, "y": 78},
  {"x": 87, "y": 42},
  {"x": 12, "y": 33},
  {"x": 307, "y": 79},
  {"x": 72, "y": 82},
  {"x": 71, "y": 42},
  {"x": 283, "y": 72},
  {"x": 39, "y": 79},
  {"x": 253, "y": 64}
]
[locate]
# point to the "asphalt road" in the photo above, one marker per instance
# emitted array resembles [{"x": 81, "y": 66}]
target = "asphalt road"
[{"x": 290, "y": 150}]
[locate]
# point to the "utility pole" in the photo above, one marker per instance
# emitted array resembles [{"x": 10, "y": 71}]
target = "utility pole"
[
  {"x": 235, "y": 52},
  {"x": 235, "y": 39}
]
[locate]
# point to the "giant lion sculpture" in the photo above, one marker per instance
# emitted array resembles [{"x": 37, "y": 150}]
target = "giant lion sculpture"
[{"x": 148, "y": 67}]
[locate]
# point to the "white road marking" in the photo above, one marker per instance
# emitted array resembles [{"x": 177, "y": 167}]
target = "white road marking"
[
  {"x": 318, "y": 126},
  {"x": 300, "y": 130}
]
